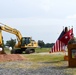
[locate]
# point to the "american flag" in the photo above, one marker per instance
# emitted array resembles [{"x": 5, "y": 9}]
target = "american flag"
[
  {"x": 58, "y": 46},
  {"x": 62, "y": 41}
]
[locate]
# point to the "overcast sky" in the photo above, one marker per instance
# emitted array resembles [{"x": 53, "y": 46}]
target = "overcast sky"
[{"x": 40, "y": 19}]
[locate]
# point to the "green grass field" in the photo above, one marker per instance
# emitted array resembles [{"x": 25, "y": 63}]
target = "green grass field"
[
  {"x": 39, "y": 50},
  {"x": 44, "y": 58}
]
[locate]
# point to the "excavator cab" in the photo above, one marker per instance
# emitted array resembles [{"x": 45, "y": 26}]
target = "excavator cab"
[
  {"x": 25, "y": 41},
  {"x": 28, "y": 45}
]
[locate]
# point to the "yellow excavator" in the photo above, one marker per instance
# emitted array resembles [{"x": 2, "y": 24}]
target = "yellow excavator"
[{"x": 25, "y": 44}]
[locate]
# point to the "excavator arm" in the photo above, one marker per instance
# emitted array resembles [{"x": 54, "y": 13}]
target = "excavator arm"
[{"x": 13, "y": 31}]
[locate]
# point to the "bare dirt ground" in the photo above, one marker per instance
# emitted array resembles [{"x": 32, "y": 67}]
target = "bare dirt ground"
[{"x": 11, "y": 57}]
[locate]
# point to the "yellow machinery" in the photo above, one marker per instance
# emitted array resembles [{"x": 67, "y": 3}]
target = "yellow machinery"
[
  {"x": 1, "y": 44},
  {"x": 24, "y": 43}
]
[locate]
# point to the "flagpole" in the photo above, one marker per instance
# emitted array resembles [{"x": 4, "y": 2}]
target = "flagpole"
[
  {"x": 63, "y": 28},
  {"x": 72, "y": 29},
  {"x": 69, "y": 27}
]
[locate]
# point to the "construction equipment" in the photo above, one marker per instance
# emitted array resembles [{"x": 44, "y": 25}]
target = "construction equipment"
[
  {"x": 25, "y": 44},
  {"x": 1, "y": 44}
]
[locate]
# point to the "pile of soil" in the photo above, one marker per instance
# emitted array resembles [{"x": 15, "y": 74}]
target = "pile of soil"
[{"x": 11, "y": 57}]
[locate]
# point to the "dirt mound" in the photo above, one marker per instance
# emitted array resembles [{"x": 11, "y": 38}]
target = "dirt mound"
[{"x": 11, "y": 57}]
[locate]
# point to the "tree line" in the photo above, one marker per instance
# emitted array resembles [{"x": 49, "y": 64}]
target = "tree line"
[{"x": 41, "y": 43}]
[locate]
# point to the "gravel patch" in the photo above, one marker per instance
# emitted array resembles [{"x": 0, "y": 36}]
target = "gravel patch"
[
  {"x": 12, "y": 68},
  {"x": 41, "y": 71}
]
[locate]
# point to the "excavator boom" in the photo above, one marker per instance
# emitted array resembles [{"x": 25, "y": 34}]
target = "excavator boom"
[{"x": 11, "y": 30}]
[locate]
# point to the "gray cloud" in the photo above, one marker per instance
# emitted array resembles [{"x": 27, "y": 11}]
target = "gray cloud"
[{"x": 41, "y": 19}]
